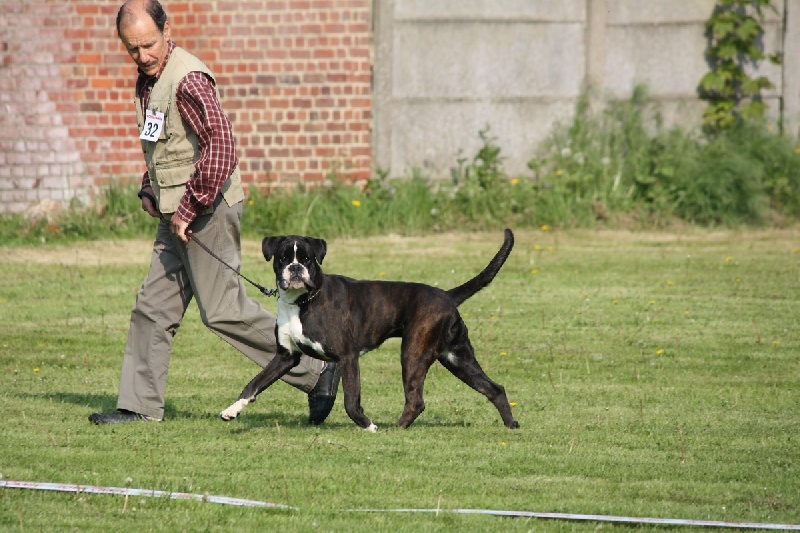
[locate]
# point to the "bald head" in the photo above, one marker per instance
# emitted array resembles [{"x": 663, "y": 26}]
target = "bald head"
[
  {"x": 132, "y": 10},
  {"x": 143, "y": 28}
]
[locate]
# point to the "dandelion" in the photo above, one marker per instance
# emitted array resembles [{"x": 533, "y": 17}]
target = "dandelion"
[
  {"x": 669, "y": 283},
  {"x": 534, "y": 271},
  {"x": 605, "y": 161},
  {"x": 36, "y": 369},
  {"x": 545, "y": 227},
  {"x": 652, "y": 302},
  {"x": 615, "y": 302},
  {"x": 514, "y": 181},
  {"x": 566, "y": 152},
  {"x": 381, "y": 274},
  {"x": 728, "y": 259},
  {"x": 503, "y": 443},
  {"x": 537, "y": 248},
  {"x": 503, "y": 354},
  {"x": 513, "y": 404},
  {"x": 250, "y": 202},
  {"x": 776, "y": 343},
  {"x": 559, "y": 172},
  {"x": 356, "y": 203},
  {"x": 660, "y": 351}
]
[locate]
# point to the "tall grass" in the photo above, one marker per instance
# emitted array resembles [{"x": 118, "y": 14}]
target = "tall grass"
[{"x": 619, "y": 167}]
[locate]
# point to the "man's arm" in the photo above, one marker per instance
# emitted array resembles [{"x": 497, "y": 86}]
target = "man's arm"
[{"x": 199, "y": 106}]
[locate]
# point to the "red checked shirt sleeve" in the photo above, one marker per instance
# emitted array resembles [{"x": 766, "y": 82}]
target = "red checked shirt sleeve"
[{"x": 199, "y": 106}]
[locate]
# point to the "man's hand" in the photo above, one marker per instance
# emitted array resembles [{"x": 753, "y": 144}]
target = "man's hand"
[
  {"x": 148, "y": 202},
  {"x": 178, "y": 226}
]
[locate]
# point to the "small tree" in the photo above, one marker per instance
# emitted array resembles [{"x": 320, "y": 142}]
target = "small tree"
[{"x": 735, "y": 40}]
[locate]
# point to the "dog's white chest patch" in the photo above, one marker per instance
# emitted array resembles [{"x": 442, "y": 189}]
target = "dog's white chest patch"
[{"x": 290, "y": 330}]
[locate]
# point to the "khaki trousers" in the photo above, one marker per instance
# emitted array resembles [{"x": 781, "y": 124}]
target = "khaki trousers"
[{"x": 178, "y": 273}]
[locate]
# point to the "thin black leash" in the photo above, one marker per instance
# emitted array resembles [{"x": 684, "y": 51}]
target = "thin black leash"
[{"x": 265, "y": 291}]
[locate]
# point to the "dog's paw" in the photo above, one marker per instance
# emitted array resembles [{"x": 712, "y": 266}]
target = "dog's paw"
[
  {"x": 233, "y": 411},
  {"x": 372, "y": 428}
]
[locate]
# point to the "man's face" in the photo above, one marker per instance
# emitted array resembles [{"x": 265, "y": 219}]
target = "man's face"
[{"x": 145, "y": 44}]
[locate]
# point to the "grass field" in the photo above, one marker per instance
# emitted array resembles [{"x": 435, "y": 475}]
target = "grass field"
[{"x": 653, "y": 375}]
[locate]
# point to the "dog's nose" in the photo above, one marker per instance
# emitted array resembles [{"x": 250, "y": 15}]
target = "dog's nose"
[{"x": 296, "y": 269}]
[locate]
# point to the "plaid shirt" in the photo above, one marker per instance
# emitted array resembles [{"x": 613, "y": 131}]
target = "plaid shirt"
[{"x": 199, "y": 107}]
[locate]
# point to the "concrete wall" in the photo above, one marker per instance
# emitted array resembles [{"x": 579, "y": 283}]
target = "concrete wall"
[
  {"x": 315, "y": 87},
  {"x": 445, "y": 69}
]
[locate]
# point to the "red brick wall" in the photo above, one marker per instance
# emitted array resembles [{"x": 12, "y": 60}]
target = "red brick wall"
[{"x": 294, "y": 77}]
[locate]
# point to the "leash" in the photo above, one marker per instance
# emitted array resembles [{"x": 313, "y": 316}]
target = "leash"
[{"x": 265, "y": 291}]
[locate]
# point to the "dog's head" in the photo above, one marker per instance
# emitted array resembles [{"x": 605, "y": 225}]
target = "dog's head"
[{"x": 295, "y": 261}]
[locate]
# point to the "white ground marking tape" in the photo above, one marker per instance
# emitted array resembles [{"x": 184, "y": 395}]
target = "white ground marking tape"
[{"x": 124, "y": 491}]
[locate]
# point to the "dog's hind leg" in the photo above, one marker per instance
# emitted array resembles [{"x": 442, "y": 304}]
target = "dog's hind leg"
[
  {"x": 351, "y": 384},
  {"x": 417, "y": 358},
  {"x": 461, "y": 362}
]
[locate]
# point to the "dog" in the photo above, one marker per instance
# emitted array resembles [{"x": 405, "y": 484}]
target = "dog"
[{"x": 336, "y": 318}]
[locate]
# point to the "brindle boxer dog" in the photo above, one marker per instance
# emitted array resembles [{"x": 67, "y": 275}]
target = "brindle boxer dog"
[{"x": 335, "y": 318}]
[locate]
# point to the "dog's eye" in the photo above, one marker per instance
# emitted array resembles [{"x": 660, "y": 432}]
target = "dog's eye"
[
  {"x": 287, "y": 256},
  {"x": 302, "y": 257}
]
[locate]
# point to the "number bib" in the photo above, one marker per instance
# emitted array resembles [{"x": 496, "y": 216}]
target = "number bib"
[{"x": 153, "y": 124}]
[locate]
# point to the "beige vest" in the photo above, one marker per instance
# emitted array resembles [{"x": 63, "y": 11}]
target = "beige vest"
[{"x": 170, "y": 160}]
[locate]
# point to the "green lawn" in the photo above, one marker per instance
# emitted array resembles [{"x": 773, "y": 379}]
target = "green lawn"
[{"x": 653, "y": 375}]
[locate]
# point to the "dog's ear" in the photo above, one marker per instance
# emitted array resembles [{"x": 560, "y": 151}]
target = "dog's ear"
[
  {"x": 319, "y": 247},
  {"x": 269, "y": 246}
]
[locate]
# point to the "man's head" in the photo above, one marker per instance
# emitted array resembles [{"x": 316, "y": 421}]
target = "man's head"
[{"x": 144, "y": 30}]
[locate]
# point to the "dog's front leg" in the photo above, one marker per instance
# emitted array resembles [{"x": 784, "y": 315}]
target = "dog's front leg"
[
  {"x": 351, "y": 384},
  {"x": 280, "y": 365}
]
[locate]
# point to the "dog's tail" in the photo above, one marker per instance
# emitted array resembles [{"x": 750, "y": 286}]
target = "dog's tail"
[{"x": 461, "y": 293}]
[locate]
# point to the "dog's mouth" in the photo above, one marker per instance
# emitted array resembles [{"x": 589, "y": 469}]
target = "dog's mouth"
[
  {"x": 295, "y": 277},
  {"x": 292, "y": 284}
]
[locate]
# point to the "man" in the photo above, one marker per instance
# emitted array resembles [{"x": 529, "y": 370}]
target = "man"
[{"x": 192, "y": 185}]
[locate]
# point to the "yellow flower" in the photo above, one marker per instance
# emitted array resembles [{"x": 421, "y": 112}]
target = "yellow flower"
[
  {"x": 728, "y": 259},
  {"x": 545, "y": 227},
  {"x": 776, "y": 343},
  {"x": 356, "y": 203},
  {"x": 503, "y": 353},
  {"x": 660, "y": 351},
  {"x": 250, "y": 202},
  {"x": 669, "y": 283},
  {"x": 514, "y": 181},
  {"x": 36, "y": 369},
  {"x": 652, "y": 302},
  {"x": 503, "y": 443},
  {"x": 615, "y": 302},
  {"x": 537, "y": 248},
  {"x": 559, "y": 172},
  {"x": 513, "y": 404},
  {"x": 534, "y": 271}
]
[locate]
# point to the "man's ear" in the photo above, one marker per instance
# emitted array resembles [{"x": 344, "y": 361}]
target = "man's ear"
[
  {"x": 319, "y": 247},
  {"x": 269, "y": 246}
]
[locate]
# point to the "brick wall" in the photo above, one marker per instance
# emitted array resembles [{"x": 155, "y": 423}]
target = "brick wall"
[{"x": 294, "y": 77}]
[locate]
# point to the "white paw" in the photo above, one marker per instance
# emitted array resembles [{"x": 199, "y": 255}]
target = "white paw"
[
  {"x": 372, "y": 428},
  {"x": 233, "y": 411}
]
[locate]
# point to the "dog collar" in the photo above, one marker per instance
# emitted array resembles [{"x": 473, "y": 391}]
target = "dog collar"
[{"x": 305, "y": 299}]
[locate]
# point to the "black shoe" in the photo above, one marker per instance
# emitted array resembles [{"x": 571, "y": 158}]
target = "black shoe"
[
  {"x": 117, "y": 417},
  {"x": 323, "y": 395}
]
